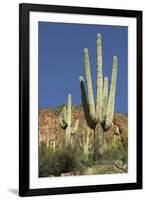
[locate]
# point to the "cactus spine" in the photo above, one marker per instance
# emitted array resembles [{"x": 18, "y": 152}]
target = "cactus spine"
[
  {"x": 100, "y": 117},
  {"x": 65, "y": 122}
]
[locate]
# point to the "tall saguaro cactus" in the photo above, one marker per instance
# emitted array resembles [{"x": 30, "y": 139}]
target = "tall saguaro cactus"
[
  {"x": 66, "y": 122},
  {"x": 100, "y": 116}
]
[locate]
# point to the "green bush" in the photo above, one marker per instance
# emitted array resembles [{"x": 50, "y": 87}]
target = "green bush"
[
  {"x": 118, "y": 153},
  {"x": 65, "y": 160},
  {"x": 71, "y": 160},
  {"x": 46, "y": 161}
]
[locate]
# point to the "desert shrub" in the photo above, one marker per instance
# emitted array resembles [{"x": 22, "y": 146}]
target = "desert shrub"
[
  {"x": 100, "y": 169},
  {"x": 46, "y": 161},
  {"x": 123, "y": 151},
  {"x": 65, "y": 160},
  {"x": 118, "y": 153},
  {"x": 90, "y": 160},
  {"x": 124, "y": 137}
]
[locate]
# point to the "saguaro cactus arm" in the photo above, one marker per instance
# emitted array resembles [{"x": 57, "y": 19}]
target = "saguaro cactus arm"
[
  {"x": 69, "y": 110},
  {"x": 63, "y": 118},
  {"x": 89, "y": 84},
  {"x": 62, "y": 123},
  {"x": 105, "y": 98},
  {"x": 91, "y": 123},
  {"x": 111, "y": 102},
  {"x": 64, "y": 114},
  {"x": 99, "y": 87}
]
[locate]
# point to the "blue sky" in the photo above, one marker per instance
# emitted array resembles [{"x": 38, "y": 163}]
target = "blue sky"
[{"x": 61, "y": 61}]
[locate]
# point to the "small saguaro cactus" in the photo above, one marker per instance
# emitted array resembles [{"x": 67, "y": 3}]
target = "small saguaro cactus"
[
  {"x": 85, "y": 142},
  {"x": 52, "y": 144},
  {"x": 66, "y": 122},
  {"x": 100, "y": 116}
]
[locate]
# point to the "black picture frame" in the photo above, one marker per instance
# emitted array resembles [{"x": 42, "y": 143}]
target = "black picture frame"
[{"x": 24, "y": 10}]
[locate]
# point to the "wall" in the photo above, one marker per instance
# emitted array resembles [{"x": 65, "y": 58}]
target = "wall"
[{"x": 9, "y": 97}]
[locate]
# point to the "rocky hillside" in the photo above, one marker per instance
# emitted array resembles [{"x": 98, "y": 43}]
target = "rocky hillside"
[{"x": 51, "y": 132}]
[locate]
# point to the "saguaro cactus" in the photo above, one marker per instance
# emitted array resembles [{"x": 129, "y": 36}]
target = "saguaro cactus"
[
  {"x": 100, "y": 116},
  {"x": 53, "y": 144},
  {"x": 66, "y": 122},
  {"x": 85, "y": 143}
]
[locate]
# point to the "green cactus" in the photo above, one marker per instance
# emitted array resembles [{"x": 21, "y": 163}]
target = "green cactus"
[
  {"x": 65, "y": 122},
  {"x": 85, "y": 143},
  {"x": 99, "y": 86},
  {"x": 89, "y": 84},
  {"x": 98, "y": 117},
  {"x": 52, "y": 145},
  {"x": 111, "y": 102},
  {"x": 105, "y": 98}
]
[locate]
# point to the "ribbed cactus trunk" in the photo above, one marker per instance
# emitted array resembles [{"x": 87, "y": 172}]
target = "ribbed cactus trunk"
[
  {"x": 100, "y": 140},
  {"x": 68, "y": 116},
  {"x": 98, "y": 117},
  {"x": 86, "y": 141},
  {"x": 66, "y": 122},
  {"x": 105, "y": 98},
  {"x": 53, "y": 145},
  {"x": 99, "y": 98}
]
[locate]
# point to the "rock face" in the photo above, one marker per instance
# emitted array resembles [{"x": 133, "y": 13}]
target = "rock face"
[{"x": 50, "y": 131}]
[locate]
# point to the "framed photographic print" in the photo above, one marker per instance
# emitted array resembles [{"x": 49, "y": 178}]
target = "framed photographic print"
[{"x": 80, "y": 100}]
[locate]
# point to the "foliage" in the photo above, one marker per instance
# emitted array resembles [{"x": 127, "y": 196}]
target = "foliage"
[
  {"x": 72, "y": 161},
  {"x": 65, "y": 160},
  {"x": 112, "y": 154}
]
